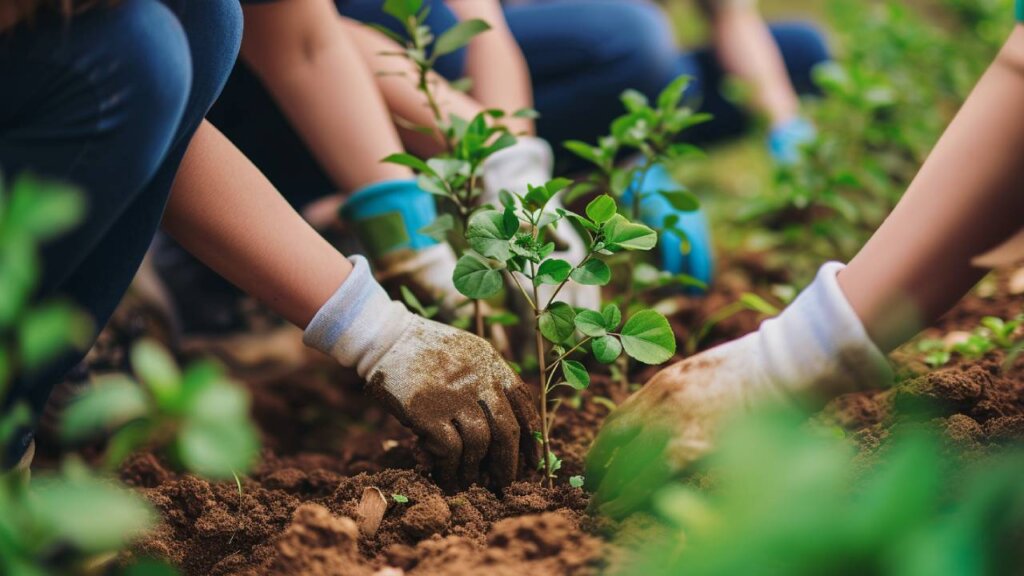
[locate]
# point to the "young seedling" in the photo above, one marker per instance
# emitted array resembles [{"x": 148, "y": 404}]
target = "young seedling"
[
  {"x": 510, "y": 242},
  {"x": 456, "y": 174},
  {"x": 650, "y": 132}
]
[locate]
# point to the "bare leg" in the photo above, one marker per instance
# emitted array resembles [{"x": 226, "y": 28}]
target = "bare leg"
[
  {"x": 226, "y": 213},
  {"x": 746, "y": 50},
  {"x": 966, "y": 199},
  {"x": 311, "y": 65}
]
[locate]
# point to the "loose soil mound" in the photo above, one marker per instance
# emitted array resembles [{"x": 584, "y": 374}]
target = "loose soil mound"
[{"x": 325, "y": 444}]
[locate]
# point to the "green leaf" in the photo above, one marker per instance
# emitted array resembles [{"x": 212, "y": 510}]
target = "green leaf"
[
  {"x": 43, "y": 210},
  {"x": 410, "y": 161},
  {"x": 606, "y": 349},
  {"x": 439, "y": 228},
  {"x": 488, "y": 234},
  {"x": 110, "y": 403},
  {"x": 557, "y": 323},
  {"x": 622, "y": 234},
  {"x": 682, "y": 200},
  {"x": 458, "y": 36},
  {"x": 402, "y": 9},
  {"x": 590, "y": 323},
  {"x": 576, "y": 481},
  {"x": 756, "y": 303},
  {"x": 90, "y": 514},
  {"x": 400, "y": 498},
  {"x": 157, "y": 370},
  {"x": 672, "y": 94},
  {"x": 634, "y": 100},
  {"x": 50, "y": 329},
  {"x": 556, "y": 185},
  {"x": 612, "y": 316},
  {"x": 475, "y": 279},
  {"x": 593, "y": 273},
  {"x": 583, "y": 150},
  {"x": 528, "y": 113},
  {"x": 647, "y": 337},
  {"x": 575, "y": 374},
  {"x": 502, "y": 319},
  {"x": 553, "y": 271},
  {"x": 414, "y": 303},
  {"x": 217, "y": 439},
  {"x": 602, "y": 208}
]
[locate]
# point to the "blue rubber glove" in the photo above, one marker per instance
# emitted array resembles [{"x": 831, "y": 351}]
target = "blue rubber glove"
[
  {"x": 387, "y": 217},
  {"x": 654, "y": 208},
  {"x": 786, "y": 140}
]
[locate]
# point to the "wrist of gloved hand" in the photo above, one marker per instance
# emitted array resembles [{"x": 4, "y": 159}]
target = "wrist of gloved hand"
[
  {"x": 473, "y": 414},
  {"x": 816, "y": 349}
]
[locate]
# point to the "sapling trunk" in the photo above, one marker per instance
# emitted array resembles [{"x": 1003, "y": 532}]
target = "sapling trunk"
[{"x": 542, "y": 371}]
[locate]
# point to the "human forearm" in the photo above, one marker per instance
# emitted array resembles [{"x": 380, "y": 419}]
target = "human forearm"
[
  {"x": 965, "y": 200},
  {"x": 746, "y": 49},
  {"x": 501, "y": 78},
  {"x": 314, "y": 70},
  {"x": 226, "y": 213},
  {"x": 396, "y": 78}
]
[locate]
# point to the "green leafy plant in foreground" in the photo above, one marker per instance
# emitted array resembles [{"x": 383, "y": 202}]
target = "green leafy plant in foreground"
[
  {"x": 803, "y": 504},
  {"x": 61, "y": 522},
  {"x": 201, "y": 415},
  {"x": 510, "y": 241}
]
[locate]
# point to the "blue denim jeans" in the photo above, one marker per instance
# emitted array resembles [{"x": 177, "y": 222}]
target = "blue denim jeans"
[
  {"x": 582, "y": 55},
  {"x": 108, "y": 102}
]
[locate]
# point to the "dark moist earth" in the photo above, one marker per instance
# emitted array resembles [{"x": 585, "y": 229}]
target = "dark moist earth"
[{"x": 324, "y": 444}]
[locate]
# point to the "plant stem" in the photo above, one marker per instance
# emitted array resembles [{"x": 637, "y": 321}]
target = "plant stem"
[
  {"x": 478, "y": 315},
  {"x": 544, "y": 427}
]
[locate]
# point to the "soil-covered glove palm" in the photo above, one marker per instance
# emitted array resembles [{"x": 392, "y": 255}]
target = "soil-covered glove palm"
[
  {"x": 473, "y": 414},
  {"x": 530, "y": 161},
  {"x": 815, "y": 350}
]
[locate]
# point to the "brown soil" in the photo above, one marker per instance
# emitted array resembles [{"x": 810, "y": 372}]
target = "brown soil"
[{"x": 325, "y": 443}]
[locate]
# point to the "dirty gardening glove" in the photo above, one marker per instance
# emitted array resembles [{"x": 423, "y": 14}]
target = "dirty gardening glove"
[
  {"x": 473, "y": 414},
  {"x": 530, "y": 161},
  {"x": 387, "y": 218},
  {"x": 815, "y": 350}
]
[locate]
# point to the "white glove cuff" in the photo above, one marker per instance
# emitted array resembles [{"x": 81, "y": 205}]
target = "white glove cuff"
[
  {"x": 528, "y": 161},
  {"x": 359, "y": 323},
  {"x": 818, "y": 343}
]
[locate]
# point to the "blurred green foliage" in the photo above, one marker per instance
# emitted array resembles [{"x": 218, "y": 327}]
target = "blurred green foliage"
[
  {"x": 897, "y": 81},
  {"x": 788, "y": 498}
]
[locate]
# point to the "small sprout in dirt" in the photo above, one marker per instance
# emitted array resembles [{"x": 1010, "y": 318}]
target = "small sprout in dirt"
[
  {"x": 576, "y": 481},
  {"x": 937, "y": 353},
  {"x": 747, "y": 301},
  {"x": 1002, "y": 332},
  {"x": 400, "y": 498}
]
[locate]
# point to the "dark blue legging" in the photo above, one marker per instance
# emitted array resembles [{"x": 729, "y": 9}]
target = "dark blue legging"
[
  {"x": 581, "y": 53},
  {"x": 109, "y": 103}
]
